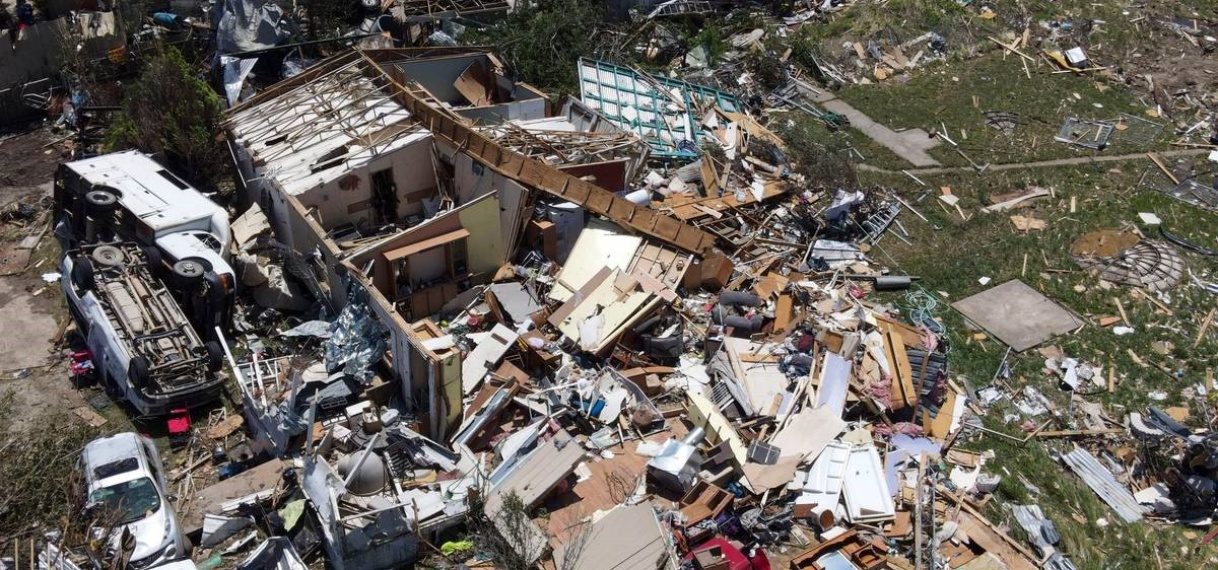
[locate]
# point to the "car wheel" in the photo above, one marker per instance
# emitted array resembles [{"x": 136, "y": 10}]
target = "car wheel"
[
  {"x": 215, "y": 355},
  {"x": 191, "y": 270},
  {"x": 101, "y": 201},
  {"x": 82, "y": 273},
  {"x": 107, "y": 255},
  {"x": 139, "y": 372},
  {"x": 153, "y": 258}
]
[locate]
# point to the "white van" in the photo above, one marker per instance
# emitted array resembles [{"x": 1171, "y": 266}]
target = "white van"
[
  {"x": 128, "y": 196},
  {"x": 144, "y": 348}
]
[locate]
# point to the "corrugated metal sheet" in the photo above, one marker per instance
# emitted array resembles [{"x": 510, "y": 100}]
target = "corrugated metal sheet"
[
  {"x": 1101, "y": 480},
  {"x": 665, "y": 112}
]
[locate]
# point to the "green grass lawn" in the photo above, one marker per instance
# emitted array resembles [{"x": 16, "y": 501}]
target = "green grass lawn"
[
  {"x": 952, "y": 258},
  {"x": 957, "y": 97}
]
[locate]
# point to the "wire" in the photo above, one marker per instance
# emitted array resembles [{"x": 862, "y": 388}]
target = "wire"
[
  {"x": 922, "y": 306},
  {"x": 1186, "y": 244}
]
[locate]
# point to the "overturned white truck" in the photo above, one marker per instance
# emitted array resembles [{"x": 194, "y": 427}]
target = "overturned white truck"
[
  {"x": 144, "y": 348},
  {"x": 127, "y": 196}
]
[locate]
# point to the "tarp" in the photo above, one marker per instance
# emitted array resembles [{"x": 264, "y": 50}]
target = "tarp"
[
  {"x": 357, "y": 339},
  {"x": 246, "y": 25}
]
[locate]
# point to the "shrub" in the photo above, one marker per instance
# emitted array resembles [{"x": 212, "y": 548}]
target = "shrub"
[{"x": 169, "y": 112}]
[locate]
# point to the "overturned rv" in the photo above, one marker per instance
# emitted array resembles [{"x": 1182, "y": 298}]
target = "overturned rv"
[
  {"x": 127, "y": 196},
  {"x": 146, "y": 351}
]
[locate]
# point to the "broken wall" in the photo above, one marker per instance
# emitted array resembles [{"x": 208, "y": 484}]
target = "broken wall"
[
  {"x": 310, "y": 240},
  {"x": 439, "y": 75},
  {"x": 431, "y": 383},
  {"x": 472, "y": 180},
  {"x": 348, "y": 197}
]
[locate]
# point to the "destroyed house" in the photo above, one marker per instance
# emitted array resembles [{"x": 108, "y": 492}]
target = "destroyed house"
[
  {"x": 417, "y": 11},
  {"x": 473, "y": 86},
  {"x": 385, "y": 185}
]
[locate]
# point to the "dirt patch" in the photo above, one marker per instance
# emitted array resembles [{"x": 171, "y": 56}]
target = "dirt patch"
[
  {"x": 27, "y": 159},
  {"x": 33, "y": 371},
  {"x": 1103, "y": 243}
]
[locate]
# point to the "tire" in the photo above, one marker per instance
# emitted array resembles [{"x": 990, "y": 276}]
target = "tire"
[
  {"x": 111, "y": 387},
  {"x": 139, "y": 372},
  {"x": 82, "y": 273},
  {"x": 107, "y": 256},
  {"x": 191, "y": 270},
  {"x": 101, "y": 201},
  {"x": 153, "y": 259},
  {"x": 215, "y": 355}
]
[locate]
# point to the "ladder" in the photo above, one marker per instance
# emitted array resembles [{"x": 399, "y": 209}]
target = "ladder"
[
  {"x": 879, "y": 221},
  {"x": 678, "y": 7}
]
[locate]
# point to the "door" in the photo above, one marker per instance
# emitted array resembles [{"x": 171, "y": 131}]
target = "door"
[{"x": 384, "y": 197}]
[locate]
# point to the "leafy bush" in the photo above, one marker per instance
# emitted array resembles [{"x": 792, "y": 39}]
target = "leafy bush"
[
  {"x": 169, "y": 112},
  {"x": 541, "y": 40},
  {"x": 40, "y": 487}
]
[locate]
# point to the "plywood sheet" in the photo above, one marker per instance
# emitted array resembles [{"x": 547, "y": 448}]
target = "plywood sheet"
[{"x": 1018, "y": 315}]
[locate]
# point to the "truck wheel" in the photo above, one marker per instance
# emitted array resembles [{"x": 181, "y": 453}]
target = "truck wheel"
[
  {"x": 108, "y": 255},
  {"x": 111, "y": 387},
  {"x": 153, "y": 259},
  {"x": 82, "y": 273},
  {"x": 101, "y": 201},
  {"x": 215, "y": 355},
  {"x": 191, "y": 270},
  {"x": 139, "y": 372}
]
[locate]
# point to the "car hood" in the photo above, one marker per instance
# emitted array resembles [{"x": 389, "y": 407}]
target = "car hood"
[{"x": 149, "y": 533}]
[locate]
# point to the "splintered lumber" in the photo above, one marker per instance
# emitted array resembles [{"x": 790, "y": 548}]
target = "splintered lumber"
[
  {"x": 1205, "y": 325},
  {"x": 1121, "y": 309},
  {"x": 1080, "y": 432},
  {"x": 903, "y": 391},
  {"x": 1012, "y": 49},
  {"x": 1001, "y": 206},
  {"x": 983, "y": 533},
  {"x": 1159, "y": 162}
]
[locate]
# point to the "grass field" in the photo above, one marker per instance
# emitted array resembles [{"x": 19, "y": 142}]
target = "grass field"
[{"x": 952, "y": 258}]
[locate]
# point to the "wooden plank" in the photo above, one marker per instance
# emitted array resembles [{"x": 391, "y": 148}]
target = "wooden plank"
[
  {"x": 909, "y": 336},
  {"x": 902, "y": 381},
  {"x": 1205, "y": 326},
  {"x": 940, "y": 427},
  {"x": 983, "y": 533},
  {"x": 473, "y": 85},
  {"x": 784, "y": 312},
  {"x": 89, "y": 416},
  {"x": 1159, "y": 162}
]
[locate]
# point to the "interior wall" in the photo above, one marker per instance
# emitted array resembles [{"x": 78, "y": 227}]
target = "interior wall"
[
  {"x": 428, "y": 264},
  {"x": 438, "y": 75},
  {"x": 485, "y": 246},
  {"x": 519, "y": 110},
  {"x": 347, "y": 199},
  {"x": 308, "y": 238},
  {"x": 411, "y": 363}
]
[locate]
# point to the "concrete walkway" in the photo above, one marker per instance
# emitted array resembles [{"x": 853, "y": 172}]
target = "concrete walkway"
[
  {"x": 1041, "y": 164},
  {"x": 911, "y": 145}
]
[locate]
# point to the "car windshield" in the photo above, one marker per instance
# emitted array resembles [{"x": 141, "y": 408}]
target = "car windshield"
[{"x": 130, "y": 500}]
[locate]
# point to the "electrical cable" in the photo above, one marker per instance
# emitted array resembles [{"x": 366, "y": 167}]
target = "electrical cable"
[{"x": 1190, "y": 246}]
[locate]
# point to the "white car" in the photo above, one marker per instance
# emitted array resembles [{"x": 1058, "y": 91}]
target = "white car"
[{"x": 126, "y": 484}]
